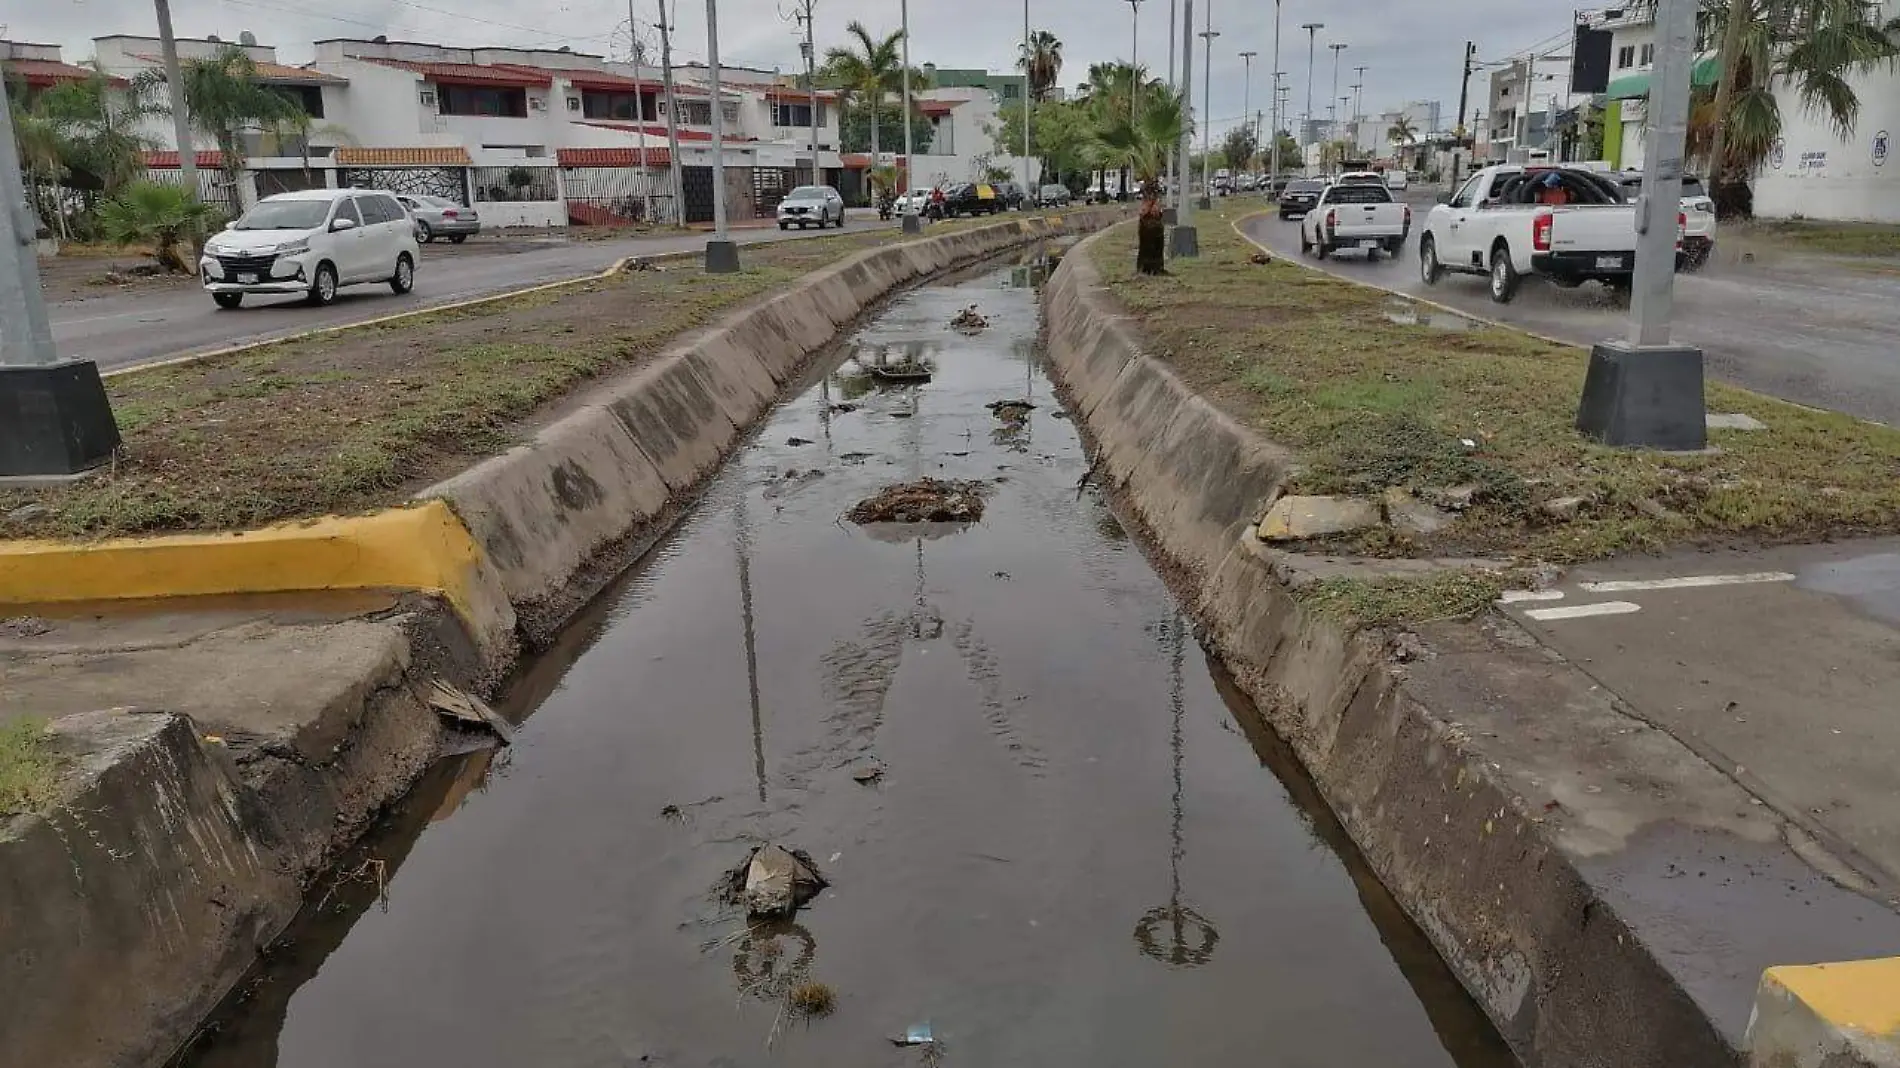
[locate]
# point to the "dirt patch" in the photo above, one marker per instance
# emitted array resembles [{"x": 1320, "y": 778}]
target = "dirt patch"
[
  {"x": 927, "y": 501},
  {"x": 364, "y": 418},
  {"x": 64, "y": 278}
]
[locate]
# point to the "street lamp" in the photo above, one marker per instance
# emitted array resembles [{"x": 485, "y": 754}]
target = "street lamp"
[
  {"x": 55, "y": 420},
  {"x": 1644, "y": 391},
  {"x": 722, "y": 255},
  {"x": 1207, "y": 120},
  {"x": 1028, "y": 54},
  {"x": 1134, "y": 60},
  {"x": 1273, "y": 135},
  {"x": 1184, "y": 240},
  {"x": 1312, "y": 37},
  {"x": 1246, "y": 96},
  {"x": 1337, "y": 49},
  {"x": 913, "y": 220}
]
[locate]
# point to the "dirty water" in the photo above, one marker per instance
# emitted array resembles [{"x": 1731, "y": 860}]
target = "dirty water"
[
  {"x": 1083, "y": 847},
  {"x": 1406, "y": 313}
]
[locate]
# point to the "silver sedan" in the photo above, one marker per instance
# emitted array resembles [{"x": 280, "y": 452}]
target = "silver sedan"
[{"x": 441, "y": 217}]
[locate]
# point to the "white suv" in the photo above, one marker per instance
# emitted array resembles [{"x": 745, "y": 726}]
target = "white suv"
[{"x": 312, "y": 243}]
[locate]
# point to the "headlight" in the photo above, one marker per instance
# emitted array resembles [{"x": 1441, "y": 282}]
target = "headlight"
[{"x": 291, "y": 248}]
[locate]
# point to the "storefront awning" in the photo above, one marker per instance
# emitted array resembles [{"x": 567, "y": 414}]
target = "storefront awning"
[{"x": 1636, "y": 86}]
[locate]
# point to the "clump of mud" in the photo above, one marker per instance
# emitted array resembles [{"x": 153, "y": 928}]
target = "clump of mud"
[
  {"x": 929, "y": 500},
  {"x": 1013, "y": 413},
  {"x": 969, "y": 321}
]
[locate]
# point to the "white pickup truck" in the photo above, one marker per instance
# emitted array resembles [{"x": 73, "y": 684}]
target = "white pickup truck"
[
  {"x": 1566, "y": 224},
  {"x": 1356, "y": 215}
]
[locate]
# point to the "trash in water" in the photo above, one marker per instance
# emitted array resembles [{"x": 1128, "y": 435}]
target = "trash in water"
[
  {"x": 868, "y": 774},
  {"x": 853, "y": 457},
  {"x": 914, "y": 1035},
  {"x": 969, "y": 321},
  {"x": 672, "y": 812},
  {"x": 1012, "y": 412},
  {"x": 774, "y": 881},
  {"x": 467, "y": 710},
  {"x": 928, "y": 500},
  {"x": 842, "y": 409},
  {"x": 796, "y": 441}
]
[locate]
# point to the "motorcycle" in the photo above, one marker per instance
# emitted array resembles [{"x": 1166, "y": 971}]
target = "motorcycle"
[{"x": 885, "y": 206}]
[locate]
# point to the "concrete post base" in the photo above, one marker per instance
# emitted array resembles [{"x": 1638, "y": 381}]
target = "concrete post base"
[
  {"x": 55, "y": 419},
  {"x": 722, "y": 257},
  {"x": 1184, "y": 241},
  {"x": 1205, "y": 204},
  {"x": 1648, "y": 398},
  {"x": 913, "y": 224},
  {"x": 1169, "y": 216}
]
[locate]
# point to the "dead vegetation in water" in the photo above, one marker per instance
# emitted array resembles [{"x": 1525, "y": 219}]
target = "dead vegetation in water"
[
  {"x": 927, "y": 500},
  {"x": 812, "y": 998},
  {"x": 969, "y": 321},
  {"x": 1012, "y": 413}
]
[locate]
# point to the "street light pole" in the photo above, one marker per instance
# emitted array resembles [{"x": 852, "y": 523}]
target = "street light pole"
[
  {"x": 1273, "y": 135},
  {"x": 913, "y": 222},
  {"x": 1644, "y": 391},
  {"x": 175, "y": 89},
  {"x": 722, "y": 255},
  {"x": 1207, "y": 105},
  {"x": 1337, "y": 49},
  {"x": 1246, "y": 97},
  {"x": 1312, "y": 38},
  {"x": 1184, "y": 240},
  {"x": 640, "y": 116},
  {"x": 672, "y": 117},
  {"x": 1028, "y": 53},
  {"x": 1134, "y": 61},
  {"x": 55, "y": 419},
  {"x": 1358, "y": 101}
]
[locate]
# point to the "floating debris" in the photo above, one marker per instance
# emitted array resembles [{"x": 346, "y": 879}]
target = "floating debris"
[
  {"x": 842, "y": 409},
  {"x": 901, "y": 372},
  {"x": 969, "y": 321},
  {"x": 1013, "y": 413},
  {"x": 774, "y": 881},
  {"x": 796, "y": 441},
  {"x": 928, "y": 500},
  {"x": 868, "y": 774},
  {"x": 812, "y": 998},
  {"x": 914, "y": 1035}
]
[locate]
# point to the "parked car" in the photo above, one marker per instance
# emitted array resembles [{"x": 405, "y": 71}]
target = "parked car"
[
  {"x": 809, "y": 205},
  {"x": 1300, "y": 196},
  {"x": 1698, "y": 216},
  {"x": 1011, "y": 195},
  {"x": 441, "y": 217},
  {"x": 971, "y": 198},
  {"x": 1358, "y": 216},
  {"x": 1562, "y": 223},
  {"x": 312, "y": 243},
  {"x": 1397, "y": 181},
  {"x": 1054, "y": 196},
  {"x": 911, "y": 203}
]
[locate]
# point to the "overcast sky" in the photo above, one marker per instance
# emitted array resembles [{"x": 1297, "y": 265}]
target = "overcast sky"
[{"x": 1410, "y": 47}]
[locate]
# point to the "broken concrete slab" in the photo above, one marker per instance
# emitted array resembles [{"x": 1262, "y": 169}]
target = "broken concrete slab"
[
  {"x": 774, "y": 882},
  {"x": 1413, "y": 516},
  {"x": 1297, "y": 518}
]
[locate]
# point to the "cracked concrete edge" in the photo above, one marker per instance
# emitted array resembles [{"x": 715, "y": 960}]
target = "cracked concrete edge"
[
  {"x": 1844, "y": 1015},
  {"x": 1539, "y": 893}
]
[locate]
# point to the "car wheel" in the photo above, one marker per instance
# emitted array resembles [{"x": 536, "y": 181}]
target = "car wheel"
[
  {"x": 228, "y": 300},
  {"x": 1504, "y": 276},
  {"x": 785, "y": 226},
  {"x": 404, "y": 279},
  {"x": 458, "y": 239},
  {"x": 1372, "y": 255},
  {"x": 323, "y": 288},
  {"x": 1429, "y": 269},
  {"x": 1306, "y": 247},
  {"x": 423, "y": 232}
]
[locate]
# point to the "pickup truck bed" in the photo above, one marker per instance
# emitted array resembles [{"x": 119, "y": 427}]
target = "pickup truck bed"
[
  {"x": 1499, "y": 225},
  {"x": 1355, "y": 216}
]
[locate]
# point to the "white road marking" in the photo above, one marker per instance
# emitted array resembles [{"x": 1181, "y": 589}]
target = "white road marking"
[
  {"x": 1580, "y": 611},
  {"x": 1514, "y": 596},
  {"x": 1687, "y": 582}
]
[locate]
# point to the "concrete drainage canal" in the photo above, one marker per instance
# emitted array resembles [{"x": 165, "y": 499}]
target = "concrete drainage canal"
[{"x": 1051, "y": 833}]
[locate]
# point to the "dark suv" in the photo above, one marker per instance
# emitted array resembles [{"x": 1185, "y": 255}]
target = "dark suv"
[{"x": 1299, "y": 198}]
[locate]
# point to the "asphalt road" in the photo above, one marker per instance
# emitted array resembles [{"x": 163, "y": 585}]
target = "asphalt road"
[
  {"x": 124, "y": 330},
  {"x": 1809, "y": 331}
]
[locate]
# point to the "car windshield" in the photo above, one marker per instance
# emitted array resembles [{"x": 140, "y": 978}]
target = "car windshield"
[
  {"x": 807, "y": 192},
  {"x": 285, "y": 215}
]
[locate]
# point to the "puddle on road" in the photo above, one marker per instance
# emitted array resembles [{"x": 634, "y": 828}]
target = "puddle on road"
[
  {"x": 1406, "y": 313},
  {"x": 1084, "y": 848}
]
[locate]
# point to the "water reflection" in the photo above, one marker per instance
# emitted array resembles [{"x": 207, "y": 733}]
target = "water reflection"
[{"x": 1175, "y": 934}]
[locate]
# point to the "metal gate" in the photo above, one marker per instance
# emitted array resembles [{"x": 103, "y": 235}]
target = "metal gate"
[
  {"x": 617, "y": 196},
  {"x": 445, "y": 182},
  {"x": 769, "y": 186},
  {"x": 286, "y": 180},
  {"x": 696, "y": 184}
]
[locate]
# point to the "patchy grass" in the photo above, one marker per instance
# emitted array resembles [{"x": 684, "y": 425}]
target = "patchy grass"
[
  {"x": 1830, "y": 238},
  {"x": 812, "y": 998},
  {"x": 1439, "y": 595},
  {"x": 362, "y": 419},
  {"x": 1315, "y": 363},
  {"x": 29, "y": 770}
]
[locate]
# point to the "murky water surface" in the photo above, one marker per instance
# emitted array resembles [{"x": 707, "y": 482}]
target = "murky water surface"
[{"x": 1083, "y": 849}]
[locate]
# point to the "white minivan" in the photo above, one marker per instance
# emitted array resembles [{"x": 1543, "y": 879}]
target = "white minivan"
[{"x": 312, "y": 243}]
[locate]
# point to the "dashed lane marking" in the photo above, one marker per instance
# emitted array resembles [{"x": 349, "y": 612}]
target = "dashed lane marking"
[
  {"x": 1686, "y": 582},
  {"x": 1581, "y": 611}
]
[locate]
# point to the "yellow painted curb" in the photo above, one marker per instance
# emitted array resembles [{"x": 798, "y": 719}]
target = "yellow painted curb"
[
  {"x": 1861, "y": 996},
  {"x": 421, "y": 548}
]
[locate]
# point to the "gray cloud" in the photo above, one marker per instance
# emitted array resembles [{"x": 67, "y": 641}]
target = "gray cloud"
[{"x": 1411, "y": 47}]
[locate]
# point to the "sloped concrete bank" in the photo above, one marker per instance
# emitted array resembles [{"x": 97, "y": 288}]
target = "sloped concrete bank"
[
  {"x": 1607, "y": 896},
  {"x": 131, "y": 908}
]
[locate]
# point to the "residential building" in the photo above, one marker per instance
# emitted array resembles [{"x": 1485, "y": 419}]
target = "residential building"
[
  {"x": 1632, "y": 61},
  {"x": 32, "y": 68}
]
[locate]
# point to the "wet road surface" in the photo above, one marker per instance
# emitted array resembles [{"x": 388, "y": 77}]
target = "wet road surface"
[
  {"x": 1801, "y": 330},
  {"x": 1084, "y": 850}
]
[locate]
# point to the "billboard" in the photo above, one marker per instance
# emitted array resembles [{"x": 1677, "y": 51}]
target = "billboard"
[{"x": 1590, "y": 60}]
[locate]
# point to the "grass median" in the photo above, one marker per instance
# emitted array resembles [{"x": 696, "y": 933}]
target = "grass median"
[
  {"x": 1371, "y": 400},
  {"x": 363, "y": 418},
  {"x": 1863, "y": 240}
]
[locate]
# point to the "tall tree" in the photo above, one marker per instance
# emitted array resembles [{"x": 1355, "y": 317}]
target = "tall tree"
[
  {"x": 226, "y": 100},
  {"x": 1040, "y": 57},
  {"x": 1239, "y": 147},
  {"x": 868, "y": 70},
  {"x": 1814, "y": 47},
  {"x": 100, "y": 121},
  {"x": 1142, "y": 144}
]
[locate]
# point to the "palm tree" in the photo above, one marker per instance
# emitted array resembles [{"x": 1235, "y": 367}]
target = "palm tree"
[
  {"x": 1811, "y": 46},
  {"x": 226, "y": 100},
  {"x": 106, "y": 151},
  {"x": 1041, "y": 60},
  {"x": 870, "y": 71},
  {"x": 156, "y": 214},
  {"x": 1142, "y": 143},
  {"x": 1402, "y": 133},
  {"x": 44, "y": 150}
]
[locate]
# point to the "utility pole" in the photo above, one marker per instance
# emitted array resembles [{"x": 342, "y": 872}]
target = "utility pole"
[
  {"x": 1273, "y": 135},
  {"x": 722, "y": 256},
  {"x": 1644, "y": 391},
  {"x": 175, "y": 88},
  {"x": 1337, "y": 49},
  {"x": 1207, "y": 105},
  {"x": 1184, "y": 240},
  {"x": 640, "y": 117},
  {"x": 1028, "y": 179},
  {"x": 1358, "y": 93},
  {"x": 55, "y": 419},
  {"x": 810, "y": 54},
  {"x": 1464, "y": 98},
  {"x": 1134, "y": 61},
  {"x": 913, "y": 221},
  {"x": 1246, "y": 94},
  {"x": 1171, "y": 214},
  {"x": 1312, "y": 37},
  {"x": 672, "y": 116}
]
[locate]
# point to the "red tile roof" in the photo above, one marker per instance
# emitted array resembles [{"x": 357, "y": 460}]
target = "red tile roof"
[
  {"x": 277, "y": 73},
  {"x": 781, "y": 95},
  {"x": 609, "y": 157},
  {"x": 937, "y": 107},
  {"x": 660, "y": 131},
  {"x": 208, "y": 158},
  {"x": 41, "y": 73},
  {"x": 454, "y": 156},
  {"x": 470, "y": 73},
  {"x": 604, "y": 81}
]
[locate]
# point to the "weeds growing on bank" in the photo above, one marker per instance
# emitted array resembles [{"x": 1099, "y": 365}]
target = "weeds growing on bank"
[{"x": 29, "y": 769}]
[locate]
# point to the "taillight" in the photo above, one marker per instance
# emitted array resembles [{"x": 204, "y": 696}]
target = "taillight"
[
  {"x": 1540, "y": 232},
  {"x": 1682, "y": 229},
  {"x": 1408, "y": 213},
  {"x": 450, "y": 214},
  {"x": 1332, "y": 219}
]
